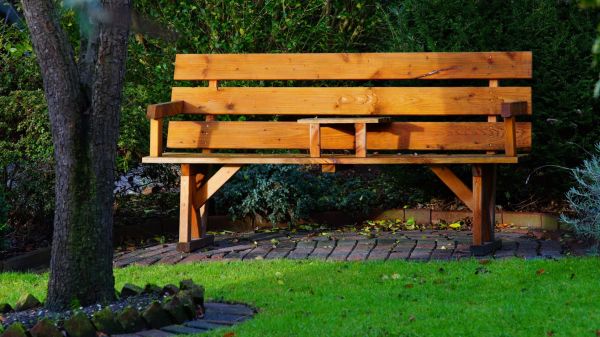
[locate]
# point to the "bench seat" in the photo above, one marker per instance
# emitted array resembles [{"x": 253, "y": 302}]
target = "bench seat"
[{"x": 302, "y": 159}]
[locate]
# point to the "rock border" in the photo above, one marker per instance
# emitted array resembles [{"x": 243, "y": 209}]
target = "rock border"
[{"x": 181, "y": 311}]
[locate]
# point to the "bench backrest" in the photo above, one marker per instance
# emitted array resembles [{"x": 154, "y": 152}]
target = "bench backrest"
[{"x": 483, "y": 99}]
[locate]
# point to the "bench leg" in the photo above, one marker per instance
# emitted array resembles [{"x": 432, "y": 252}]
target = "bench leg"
[
  {"x": 192, "y": 231},
  {"x": 484, "y": 209}
]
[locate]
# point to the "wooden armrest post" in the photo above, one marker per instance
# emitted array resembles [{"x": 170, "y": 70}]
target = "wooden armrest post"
[
  {"x": 508, "y": 111},
  {"x": 315, "y": 140},
  {"x": 156, "y": 137},
  {"x": 360, "y": 139}
]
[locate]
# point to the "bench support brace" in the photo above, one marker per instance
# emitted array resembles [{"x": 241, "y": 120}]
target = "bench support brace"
[
  {"x": 481, "y": 199},
  {"x": 196, "y": 189}
]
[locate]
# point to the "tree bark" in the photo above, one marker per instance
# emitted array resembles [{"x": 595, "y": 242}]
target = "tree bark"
[{"x": 84, "y": 105}]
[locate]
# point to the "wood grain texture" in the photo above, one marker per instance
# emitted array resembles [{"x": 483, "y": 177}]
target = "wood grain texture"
[
  {"x": 345, "y": 120},
  {"x": 414, "y": 136},
  {"x": 186, "y": 203},
  {"x": 156, "y": 137},
  {"x": 161, "y": 110},
  {"x": 510, "y": 145},
  {"x": 509, "y": 109},
  {"x": 214, "y": 183},
  {"x": 478, "y": 216},
  {"x": 298, "y": 159},
  {"x": 360, "y": 139},
  {"x": 454, "y": 184},
  {"x": 314, "y": 140},
  {"x": 353, "y": 66},
  {"x": 319, "y": 101}
]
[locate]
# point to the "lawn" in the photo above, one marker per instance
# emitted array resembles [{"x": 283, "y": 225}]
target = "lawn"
[{"x": 395, "y": 298}]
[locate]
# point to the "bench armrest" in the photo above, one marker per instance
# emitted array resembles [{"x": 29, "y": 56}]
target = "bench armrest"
[
  {"x": 508, "y": 111},
  {"x": 161, "y": 110}
]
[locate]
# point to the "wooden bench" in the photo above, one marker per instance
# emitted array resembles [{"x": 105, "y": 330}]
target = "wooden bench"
[{"x": 449, "y": 123}]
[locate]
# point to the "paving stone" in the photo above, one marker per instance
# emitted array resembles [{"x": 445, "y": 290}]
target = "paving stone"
[
  {"x": 322, "y": 250},
  {"x": 426, "y": 244},
  {"x": 343, "y": 246},
  {"x": 527, "y": 249},
  {"x": 194, "y": 258},
  {"x": 420, "y": 254},
  {"x": 154, "y": 333},
  {"x": 550, "y": 249},
  {"x": 221, "y": 317},
  {"x": 258, "y": 253},
  {"x": 361, "y": 250},
  {"x": 181, "y": 329},
  {"x": 234, "y": 309},
  {"x": 202, "y": 324},
  {"x": 237, "y": 254},
  {"x": 302, "y": 250},
  {"x": 342, "y": 250},
  {"x": 443, "y": 251},
  {"x": 171, "y": 259},
  {"x": 508, "y": 250},
  {"x": 279, "y": 253}
]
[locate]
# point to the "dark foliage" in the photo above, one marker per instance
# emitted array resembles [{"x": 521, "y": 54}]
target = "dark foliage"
[{"x": 558, "y": 32}]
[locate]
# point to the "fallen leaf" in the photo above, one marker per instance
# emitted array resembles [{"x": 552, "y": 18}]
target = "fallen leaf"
[
  {"x": 540, "y": 271},
  {"x": 408, "y": 285},
  {"x": 598, "y": 332},
  {"x": 484, "y": 261},
  {"x": 550, "y": 333},
  {"x": 229, "y": 334},
  {"x": 411, "y": 318}
]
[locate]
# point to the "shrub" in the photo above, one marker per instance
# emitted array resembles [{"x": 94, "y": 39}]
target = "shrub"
[
  {"x": 26, "y": 164},
  {"x": 584, "y": 199}
]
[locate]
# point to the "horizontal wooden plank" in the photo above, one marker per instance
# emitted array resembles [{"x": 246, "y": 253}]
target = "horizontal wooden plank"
[
  {"x": 353, "y": 66},
  {"x": 349, "y": 100},
  {"x": 393, "y": 136},
  {"x": 230, "y": 158},
  {"x": 341, "y": 120}
]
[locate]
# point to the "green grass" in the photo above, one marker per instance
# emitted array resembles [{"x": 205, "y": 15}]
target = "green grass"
[{"x": 395, "y": 298}]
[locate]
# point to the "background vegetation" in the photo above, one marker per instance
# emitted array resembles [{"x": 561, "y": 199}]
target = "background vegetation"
[{"x": 558, "y": 32}]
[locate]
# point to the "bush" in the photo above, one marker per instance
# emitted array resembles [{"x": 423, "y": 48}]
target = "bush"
[
  {"x": 558, "y": 33},
  {"x": 287, "y": 193},
  {"x": 26, "y": 164},
  {"x": 584, "y": 199}
]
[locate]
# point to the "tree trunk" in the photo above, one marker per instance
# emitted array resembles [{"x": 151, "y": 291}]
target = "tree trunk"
[{"x": 84, "y": 106}]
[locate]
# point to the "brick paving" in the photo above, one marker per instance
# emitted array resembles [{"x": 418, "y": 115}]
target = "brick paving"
[
  {"x": 421, "y": 246},
  {"x": 218, "y": 315}
]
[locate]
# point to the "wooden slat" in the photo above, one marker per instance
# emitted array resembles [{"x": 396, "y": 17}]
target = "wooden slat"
[
  {"x": 156, "y": 137},
  {"x": 360, "y": 139},
  {"x": 454, "y": 184},
  {"x": 394, "y": 136},
  {"x": 231, "y": 158},
  {"x": 493, "y": 118},
  {"x": 315, "y": 101},
  {"x": 341, "y": 120},
  {"x": 510, "y": 146},
  {"x": 315, "y": 140},
  {"x": 348, "y": 66}
]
